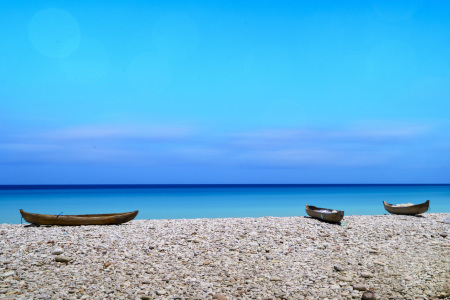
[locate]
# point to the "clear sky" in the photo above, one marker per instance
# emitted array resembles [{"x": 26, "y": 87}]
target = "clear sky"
[{"x": 224, "y": 92}]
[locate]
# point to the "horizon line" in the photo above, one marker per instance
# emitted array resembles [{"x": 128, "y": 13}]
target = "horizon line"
[{"x": 201, "y": 185}]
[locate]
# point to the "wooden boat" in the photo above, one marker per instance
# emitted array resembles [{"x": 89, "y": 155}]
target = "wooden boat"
[
  {"x": 407, "y": 210},
  {"x": 74, "y": 220},
  {"x": 325, "y": 214}
]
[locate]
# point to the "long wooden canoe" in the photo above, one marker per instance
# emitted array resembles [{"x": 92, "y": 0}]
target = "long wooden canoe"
[
  {"x": 325, "y": 214},
  {"x": 407, "y": 210},
  {"x": 74, "y": 220}
]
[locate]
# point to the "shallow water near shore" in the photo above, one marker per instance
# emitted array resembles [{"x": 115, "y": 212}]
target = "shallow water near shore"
[{"x": 215, "y": 201}]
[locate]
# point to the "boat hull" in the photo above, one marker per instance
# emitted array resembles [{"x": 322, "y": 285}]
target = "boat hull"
[
  {"x": 313, "y": 212},
  {"x": 407, "y": 210},
  {"x": 76, "y": 220}
]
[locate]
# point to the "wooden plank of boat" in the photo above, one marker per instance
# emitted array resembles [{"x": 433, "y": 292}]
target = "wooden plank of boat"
[
  {"x": 74, "y": 220},
  {"x": 325, "y": 214},
  {"x": 407, "y": 210}
]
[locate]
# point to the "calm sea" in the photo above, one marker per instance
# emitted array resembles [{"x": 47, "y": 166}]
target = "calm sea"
[{"x": 214, "y": 201}]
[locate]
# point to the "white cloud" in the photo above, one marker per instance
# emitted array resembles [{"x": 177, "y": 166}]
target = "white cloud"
[
  {"x": 118, "y": 133},
  {"x": 359, "y": 145}
]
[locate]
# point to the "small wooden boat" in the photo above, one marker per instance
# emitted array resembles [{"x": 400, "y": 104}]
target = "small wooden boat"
[
  {"x": 325, "y": 214},
  {"x": 407, "y": 209},
  {"x": 74, "y": 220}
]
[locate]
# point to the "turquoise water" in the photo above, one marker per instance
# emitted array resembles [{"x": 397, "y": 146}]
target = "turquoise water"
[{"x": 217, "y": 201}]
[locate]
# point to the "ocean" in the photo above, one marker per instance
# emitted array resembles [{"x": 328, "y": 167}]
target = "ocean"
[{"x": 214, "y": 201}]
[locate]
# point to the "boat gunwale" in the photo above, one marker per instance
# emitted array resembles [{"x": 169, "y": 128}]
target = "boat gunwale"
[{"x": 82, "y": 216}]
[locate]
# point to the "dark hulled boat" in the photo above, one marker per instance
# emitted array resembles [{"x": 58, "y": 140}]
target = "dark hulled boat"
[
  {"x": 413, "y": 209},
  {"x": 325, "y": 214},
  {"x": 74, "y": 220}
]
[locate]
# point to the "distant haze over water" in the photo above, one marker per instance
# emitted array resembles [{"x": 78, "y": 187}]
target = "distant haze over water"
[{"x": 214, "y": 201}]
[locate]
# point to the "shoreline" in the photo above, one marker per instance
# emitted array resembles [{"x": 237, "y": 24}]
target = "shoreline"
[
  {"x": 397, "y": 257},
  {"x": 25, "y": 223},
  {"x": 224, "y": 202}
]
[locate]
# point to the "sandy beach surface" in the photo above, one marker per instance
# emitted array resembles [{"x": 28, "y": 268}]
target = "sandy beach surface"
[{"x": 395, "y": 257}]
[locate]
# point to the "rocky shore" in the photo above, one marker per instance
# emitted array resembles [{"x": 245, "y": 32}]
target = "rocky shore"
[{"x": 386, "y": 256}]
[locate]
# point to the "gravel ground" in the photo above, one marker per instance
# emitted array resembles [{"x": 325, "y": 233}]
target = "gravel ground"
[{"x": 395, "y": 257}]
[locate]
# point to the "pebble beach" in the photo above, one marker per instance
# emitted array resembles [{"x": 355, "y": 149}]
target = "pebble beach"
[{"x": 367, "y": 257}]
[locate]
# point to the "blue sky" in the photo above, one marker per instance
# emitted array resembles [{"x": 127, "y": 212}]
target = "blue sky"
[{"x": 224, "y": 92}]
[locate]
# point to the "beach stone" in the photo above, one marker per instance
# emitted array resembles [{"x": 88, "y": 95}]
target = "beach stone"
[
  {"x": 345, "y": 278},
  {"x": 338, "y": 268},
  {"x": 408, "y": 278},
  {"x": 57, "y": 251},
  {"x": 161, "y": 292},
  {"x": 63, "y": 259},
  {"x": 335, "y": 287},
  {"x": 7, "y": 274},
  {"x": 359, "y": 287},
  {"x": 368, "y": 296},
  {"x": 444, "y": 234},
  {"x": 146, "y": 298},
  {"x": 366, "y": 275},
  {"x": 275, "y": 278},
  {"x": 447, "y": 221},
  {"x": 220, "y": 297}
]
